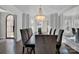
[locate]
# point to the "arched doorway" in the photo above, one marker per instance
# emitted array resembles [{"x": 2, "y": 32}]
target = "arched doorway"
[{"x": 10, "y": 25}]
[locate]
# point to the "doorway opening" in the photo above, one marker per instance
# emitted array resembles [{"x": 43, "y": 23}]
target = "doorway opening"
[{"x": 10, "y": 25}]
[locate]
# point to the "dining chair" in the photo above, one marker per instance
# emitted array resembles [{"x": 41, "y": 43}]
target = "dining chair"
[
  {"x": 59, "y": 41},
  {"x": 73, "y": 31},
  {"x": 50, "y": 31},
  {"x": 30, "y": 33},
  {"x": 77, "y": 35},
  {"x": 26, "y": 41},
  {"x": 54, "y": 32}
]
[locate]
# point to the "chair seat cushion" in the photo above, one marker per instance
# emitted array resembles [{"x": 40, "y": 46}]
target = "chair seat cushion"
[{"x": 30, "y": 42}]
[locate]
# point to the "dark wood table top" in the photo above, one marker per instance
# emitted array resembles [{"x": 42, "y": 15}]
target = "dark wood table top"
[{"x": 45, "y": 44}]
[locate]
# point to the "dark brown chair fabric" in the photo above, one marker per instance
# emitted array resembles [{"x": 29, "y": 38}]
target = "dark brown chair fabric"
[
  {"x": 24, "y": 35},
  {"x": 54, "y": 32},
  {"x": 30, "y": 33},
  {"x": 26, "y": 41},
  {"x": 73, "y": 31},
  {"x": 59, "y": 40},
  {"x": 50, "y": 31}
]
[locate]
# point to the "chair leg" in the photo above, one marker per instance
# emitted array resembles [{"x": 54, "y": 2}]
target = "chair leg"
[
  {"x": 27, "y": 51},
  {"x": 31, "y": 51},
  {"x": 23, "y": 50},
  {"x": 57, "y": 52},
  {"x": 58, "y": 48},
  {"x": 34, "y": 50}
]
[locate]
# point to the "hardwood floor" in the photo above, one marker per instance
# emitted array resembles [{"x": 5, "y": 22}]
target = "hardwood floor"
[
  {"x": 8, "y": 46},
  {"x": 19, "y": 49}
]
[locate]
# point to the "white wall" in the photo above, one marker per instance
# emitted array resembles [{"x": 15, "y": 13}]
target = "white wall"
[
  {"x": 13, "y": 11},
  {"x": 3, "y": 25},
  {"x": 25, "y": 20},
  {"x": 55, "y": 22},
  {"x": 19, "y": 26},
  {"x": 0, "y": 24}
]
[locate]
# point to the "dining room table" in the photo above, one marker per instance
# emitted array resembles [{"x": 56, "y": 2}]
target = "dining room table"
[{"x": 45, "y": 44}]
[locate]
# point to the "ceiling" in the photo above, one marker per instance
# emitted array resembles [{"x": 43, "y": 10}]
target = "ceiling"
[
  {"x": 74, "y": 11},
  {"x": 47, "y": 9}
]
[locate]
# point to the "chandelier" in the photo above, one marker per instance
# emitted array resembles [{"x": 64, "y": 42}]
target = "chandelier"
[{"x": 40, "y": 16}]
